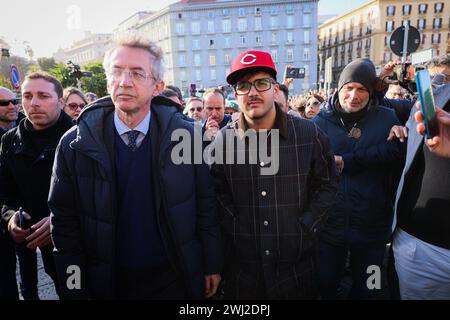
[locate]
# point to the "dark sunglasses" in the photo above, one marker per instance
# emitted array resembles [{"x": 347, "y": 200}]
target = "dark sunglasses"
[
  {"x": 75, "y": 106},
  {"x": 5, "y": 103}
]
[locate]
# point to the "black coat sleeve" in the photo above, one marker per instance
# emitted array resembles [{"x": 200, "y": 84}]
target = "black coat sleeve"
[{"x": 66, "y": 225}]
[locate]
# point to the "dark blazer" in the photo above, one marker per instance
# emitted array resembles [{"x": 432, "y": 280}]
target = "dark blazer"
[
  {"x": 82, "y": 199},
  {"x": 415, "y": 140}
]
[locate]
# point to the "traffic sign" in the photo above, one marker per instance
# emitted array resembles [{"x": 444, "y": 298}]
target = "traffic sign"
[
  {"x": 397, "y": 40},
  {"x": 14, "y": 77}
]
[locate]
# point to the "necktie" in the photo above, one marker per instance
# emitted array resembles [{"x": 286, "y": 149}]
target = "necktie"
[{"x": 132, "y": 137}]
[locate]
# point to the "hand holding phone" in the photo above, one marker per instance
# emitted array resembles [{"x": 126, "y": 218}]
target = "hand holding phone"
[
  {"x": 23, "y": 222},
  {"x": 428, "y": 108},
  {"x": 296, "y": 73}
]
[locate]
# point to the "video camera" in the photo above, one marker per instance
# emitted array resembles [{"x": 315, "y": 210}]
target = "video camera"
[{"x": 75, "y": 71}]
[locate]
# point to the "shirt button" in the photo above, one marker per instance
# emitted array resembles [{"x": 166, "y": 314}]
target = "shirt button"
[
  {"x": 267, "y": 252},
  {"x": 266, "y": 223},
  {"x": 262, "y": 164},
  {"x": 263, "y": 193}
]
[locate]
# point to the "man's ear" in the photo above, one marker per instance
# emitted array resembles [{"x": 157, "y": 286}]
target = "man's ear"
[
  {"x": 159, "y": 86},
  {"x": 61, "y": 103}
]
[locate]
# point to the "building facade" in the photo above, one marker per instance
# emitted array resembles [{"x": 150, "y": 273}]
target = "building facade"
[
  {"x": 200, "y": 38},
  {"x": 365, "y": 32},
  {"x": 91, "y": 48}
]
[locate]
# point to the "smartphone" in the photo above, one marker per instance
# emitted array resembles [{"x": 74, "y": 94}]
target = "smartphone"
[
  {"x": 23, "y": 223},
  {"x": 297, "y": 73},
  {"x": 428, "y": 108}
]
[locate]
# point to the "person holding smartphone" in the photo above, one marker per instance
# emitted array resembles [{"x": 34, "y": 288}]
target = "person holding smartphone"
[{"x": 421, "y": 227}]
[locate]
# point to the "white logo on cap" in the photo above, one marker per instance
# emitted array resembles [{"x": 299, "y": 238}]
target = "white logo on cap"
[{"x": 246, "y": 56}]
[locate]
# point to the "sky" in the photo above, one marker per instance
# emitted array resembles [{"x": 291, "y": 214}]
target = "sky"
[{"x": 47, "y": 25}]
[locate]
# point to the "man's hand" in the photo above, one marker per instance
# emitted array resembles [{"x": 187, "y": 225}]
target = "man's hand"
[
  {"x": 41, "y": 235},
  {"x": 398, "y": 132},
  {"x": 211, "y": 284},
  {"x": 383, "y": 79},
  {"x": 18, "y": 234},
  {"x": 339, "y": 163},
  {"x": 440, "y": 145},
  {"x": 211, "y": 128},
  {"x": 287, "y": 81}
]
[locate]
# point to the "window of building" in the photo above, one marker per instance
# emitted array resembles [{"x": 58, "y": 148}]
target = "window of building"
[
  {"x": 227, "y": 42},
  {"x": 305, "y": 53},
  {"x": 258, "y": 23},
  {"x": 180, "y": 16},
  {"x": 385, "y": 41},
  {"x": 227, "y": 58},
  {"x": 181, "y": 44},
  {"x": 290, "y": 22},
  {"x": 273, "y": 9},
  {"x": 359, "y": 44},
  {"x": 290, "y": 37},
  {"x": 226, "y": 25},
  {"x": 438, "y": 7},
  {"x": 211, "y": 43},
  {"x": 306, "y": 7},
  {"x": 211, "y": 15},
  {"x": 274, "y": 54},
  {"x": 242, "y": 24},
  {"x": 437, "y": 23},
  {"x": 241, "y": 12},
  {"x": 421, "y": 24},
  {"x": 226, "y": 12},
  {"x": 404, "y": 22},
  {"x": 390, "y": 11},
  {"x": 243, "y": 40},
  {"x": 273, "y": 38},
  {"x": 195, "y": 27},
  {"x": 182, "y": 60},
  {"x": 423, "y": 8},
  {"x": 258, "y": 11},
  {"x": 424, "y": 38},
  {"x": 289, "y": 55},
  {"x": 390, "y": 26},
  {"x": 198, "y": 75},
  {"x": 274, "y": 22},
  {"x": 212, "y": 74},
  {"x": 258, "y": 40},
  {"x": 211, "y": 26},
  {"x": 306, "y": 20},
  {"x": 306, "y": 36},
  {"x": 180, "y": 28},
  {"x": 196, "y": 44},
  {"x": 289, "y": 8},
  {"x": 436, "y": 38},
  {"x": 368, "y": 42},
  {"x": 212, "y": 60},
  {"x": 407, "y": 9},
  {"x": 197, "y": 60}
]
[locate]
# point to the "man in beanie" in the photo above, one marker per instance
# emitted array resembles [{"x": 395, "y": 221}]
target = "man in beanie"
[
  {"x": 360, "y": 220},
  {"x": 270, "y": 220}
]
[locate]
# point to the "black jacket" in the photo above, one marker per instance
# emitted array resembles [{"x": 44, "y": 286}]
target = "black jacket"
[
  {"x": 82, "y": 199},
  {"x": 25, "y": 169}
]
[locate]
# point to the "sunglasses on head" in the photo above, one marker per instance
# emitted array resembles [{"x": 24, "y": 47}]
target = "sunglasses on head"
[
  {"x": 5, "y": 103},
  {"x": 74, "y": 106}
]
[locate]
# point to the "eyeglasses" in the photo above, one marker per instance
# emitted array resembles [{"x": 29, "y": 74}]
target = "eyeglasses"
[
  {"x": 198, "y": 109},
  {"x": 314, "y": 103},
  {"x": 74, "y": 106},
  {"x": 5, "y": 103},
  {"x": 261, "y": 85},
  {"x": 135, "y": 75}
]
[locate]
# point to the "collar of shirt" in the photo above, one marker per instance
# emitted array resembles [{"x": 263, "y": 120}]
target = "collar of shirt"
[{"x": 142, "y": 127}]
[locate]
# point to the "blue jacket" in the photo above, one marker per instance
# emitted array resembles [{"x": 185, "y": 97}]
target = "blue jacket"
[
  {"x": 363, "y": 210},
  {"x": 82, "y": 201}
]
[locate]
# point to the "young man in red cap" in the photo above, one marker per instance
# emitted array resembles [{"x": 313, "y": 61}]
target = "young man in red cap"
[{"x": 270, "y": 222}]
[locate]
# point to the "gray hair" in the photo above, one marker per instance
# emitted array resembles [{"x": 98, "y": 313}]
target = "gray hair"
[
  {"x": 140, "y": 42},
  {"x": 439, "y": 61}
]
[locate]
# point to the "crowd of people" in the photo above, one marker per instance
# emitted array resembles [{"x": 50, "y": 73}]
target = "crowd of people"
[{"x": 92, "y": 182}]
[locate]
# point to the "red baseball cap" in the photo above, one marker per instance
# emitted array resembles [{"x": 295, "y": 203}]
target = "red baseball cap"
[{"x": 249, "y": 61}]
